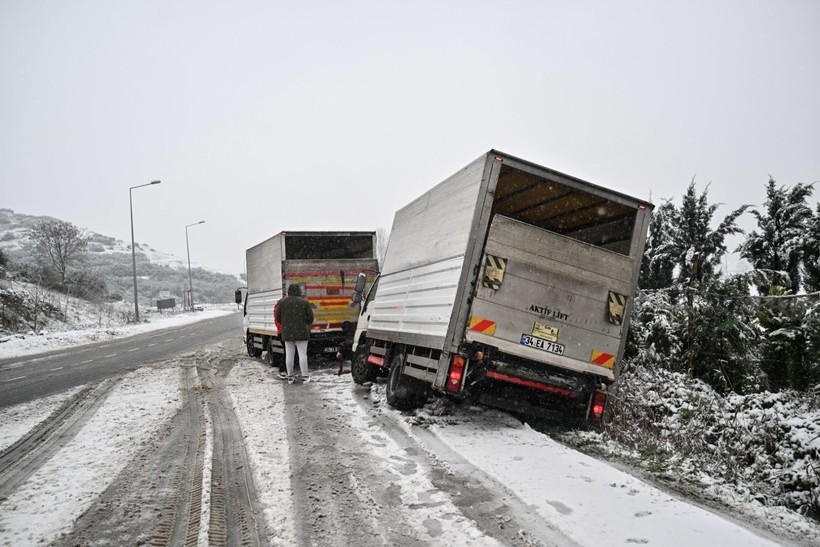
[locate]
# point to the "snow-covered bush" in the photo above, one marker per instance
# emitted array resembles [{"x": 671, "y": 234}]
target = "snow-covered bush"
[
  {"x": 765, "y": 443},
  {"x": 23, "y": 310},
  {"x": 26, "y": 307},
  {"x": 717, "y": 344}
]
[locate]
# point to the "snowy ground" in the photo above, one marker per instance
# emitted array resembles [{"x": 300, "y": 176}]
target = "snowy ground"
[
  {"x": 18, "y": 345},
  {"x": 58, "y": 492},
  {"x": 584, "y": 500}
]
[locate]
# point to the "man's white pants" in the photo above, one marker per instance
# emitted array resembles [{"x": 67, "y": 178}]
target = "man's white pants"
[{"x": 301, "y": 347}]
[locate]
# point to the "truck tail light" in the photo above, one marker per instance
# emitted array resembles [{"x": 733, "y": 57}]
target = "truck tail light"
[
  {"x": 596, "y": 413},
  {"x": 456, "y": 374}
]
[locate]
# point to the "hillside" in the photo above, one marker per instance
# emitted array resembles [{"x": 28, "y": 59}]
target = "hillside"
[{"x": 161, "y": 275}]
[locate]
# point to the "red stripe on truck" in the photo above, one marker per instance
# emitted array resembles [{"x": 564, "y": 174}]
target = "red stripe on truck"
[
  {"x": 530, "y": 383},
  {"x": 337, "y": 287},
  {"x": 332, "y": 272}
]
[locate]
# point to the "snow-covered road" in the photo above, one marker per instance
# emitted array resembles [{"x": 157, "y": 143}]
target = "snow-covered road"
[
  {"x": 535, "y": 491},
  {"x": 143, "y": 458}
]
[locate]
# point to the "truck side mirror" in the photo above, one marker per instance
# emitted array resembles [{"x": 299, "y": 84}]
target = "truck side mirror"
[
  {"x": 237, "y": 296},
  {"x": 358, "y": 290},
  {"x": 361, "y": 281}
]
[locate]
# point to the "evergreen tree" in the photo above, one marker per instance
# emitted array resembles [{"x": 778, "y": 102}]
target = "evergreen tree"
[
  {"x": 779, "y": 246},
  {"x": 698, "y": 250},
  {"x": 789, "y": 353},
  {"x": 695, "y": 246},
  {"x": 652, "y": 330},
  {"x": 811, "y": 253},
  {"x": 724, "y": 350},
  {"x": 809, "y": 377},
  {"x": 657, "y": 265}
]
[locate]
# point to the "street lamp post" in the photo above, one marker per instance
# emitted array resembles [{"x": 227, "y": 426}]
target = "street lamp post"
[
  {"x": 190, "y": 279},
  {"x": 133, "y": 251}
]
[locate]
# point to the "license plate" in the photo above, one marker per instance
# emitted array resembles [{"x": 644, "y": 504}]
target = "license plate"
[{"x": 543, "y": 345}]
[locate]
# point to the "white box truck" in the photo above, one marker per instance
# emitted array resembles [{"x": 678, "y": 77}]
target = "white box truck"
[
  {"x": 509, "y": 284},
  {"x": 325, "y": 265}
]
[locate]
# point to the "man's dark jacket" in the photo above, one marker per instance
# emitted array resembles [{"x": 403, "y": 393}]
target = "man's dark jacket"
[{"x": 296, "y": 316}]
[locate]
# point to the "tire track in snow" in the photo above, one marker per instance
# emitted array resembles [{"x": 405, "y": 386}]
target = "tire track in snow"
[
  {"x": 234, "y": 504},
  {"x": 354, "y": 484},
  {"x": 50, "y": 500},
  {"x": 156, "y": 497},
  {"x": 20, "y": 460},
  {"x": 259, "y": 405}
]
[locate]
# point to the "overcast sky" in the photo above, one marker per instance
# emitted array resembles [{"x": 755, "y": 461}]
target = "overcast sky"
[{"x": 263, "y": 116}]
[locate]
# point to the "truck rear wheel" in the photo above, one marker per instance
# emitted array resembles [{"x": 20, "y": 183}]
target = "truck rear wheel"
[
  {"x": 360, "y": 369},
  {"x": 401, "y": 392},
  {"x": 252, "y": 350}
]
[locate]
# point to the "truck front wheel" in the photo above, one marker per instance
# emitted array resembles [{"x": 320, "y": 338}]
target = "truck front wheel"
[
  {"x": 401, "y": 392},
  {"x": 360, "y": 369}
]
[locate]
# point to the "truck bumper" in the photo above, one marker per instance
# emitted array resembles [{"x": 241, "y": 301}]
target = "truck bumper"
[
  {"x": 522, "y": 407},
  {"x": 534, "y": 389},
  {"x": 326, "y": 343}
]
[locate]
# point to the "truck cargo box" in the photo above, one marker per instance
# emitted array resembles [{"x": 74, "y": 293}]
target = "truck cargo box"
[
  {"x": 523, "y": 275},
  {"x": 325, "y": 265}
]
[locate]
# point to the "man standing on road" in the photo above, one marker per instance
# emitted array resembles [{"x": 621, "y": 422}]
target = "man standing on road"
[{"x": 296, "y": 316}]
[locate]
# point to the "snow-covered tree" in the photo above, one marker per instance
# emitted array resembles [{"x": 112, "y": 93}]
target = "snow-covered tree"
[
  {"x": 810, "y": 375},
  {"x": 58, "y": 244},
  {"x": 724, "y": 350},
  {"x": 4, "y": 263},
  {"x": 811, "y": 253},
  {"x": 779, "y": 244},
  {"x": 789, "y": 352},
  {"x": 658, "y": 265},
  {"x": 653, "y": 336},
  {"x": 697, "y": 249},
  {"x": 692, "y": 320}
]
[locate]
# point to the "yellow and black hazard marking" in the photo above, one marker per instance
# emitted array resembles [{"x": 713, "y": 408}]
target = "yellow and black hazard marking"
[
  {"x": 617, "y": 304},
  {"x": 494, "y": 269}
]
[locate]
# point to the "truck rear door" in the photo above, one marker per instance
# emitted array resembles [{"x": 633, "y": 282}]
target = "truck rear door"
[
  {"x": 328, "y": 287},
  {"x": 550, "y": 299}
]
